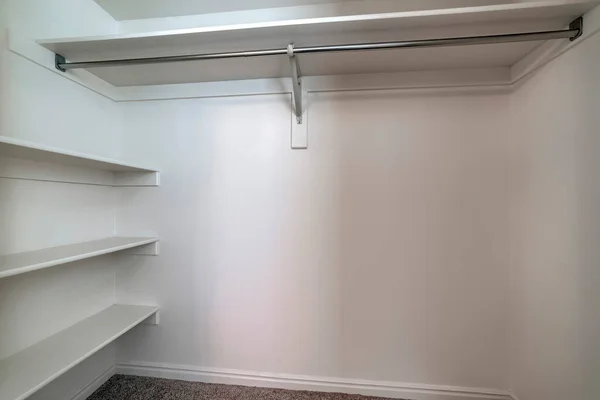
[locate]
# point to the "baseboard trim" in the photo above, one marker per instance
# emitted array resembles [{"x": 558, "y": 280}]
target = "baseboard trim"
[
  {"x": 92, "y": 386},
  {"x": 301, "y": 382}
]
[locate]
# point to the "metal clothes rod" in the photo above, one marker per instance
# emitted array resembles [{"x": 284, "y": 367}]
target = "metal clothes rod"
[{"x": 574, "y": 31}]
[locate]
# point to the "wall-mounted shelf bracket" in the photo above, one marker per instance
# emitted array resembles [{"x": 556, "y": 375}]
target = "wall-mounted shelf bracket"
[
  {"x": 58, "y": 62},
  {"x": 154, "y": 319},
  {"x": 152, "y": 249},
  {"x": 300, "y": 127},
  {"x": 578, "y": 25}
]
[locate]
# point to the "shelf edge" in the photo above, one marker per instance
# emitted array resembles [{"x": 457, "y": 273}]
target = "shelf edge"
[
  {"x": 60, "y": 152},
  {"x": 48, "y": 264},
  {"x": 152, "y": 310}
]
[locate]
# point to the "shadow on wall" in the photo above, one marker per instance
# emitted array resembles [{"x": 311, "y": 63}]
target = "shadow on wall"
[
  {"x": 589, "y": 274},
  {"x": 555, "y": 283},
  {"x": 378, "y": 253}
]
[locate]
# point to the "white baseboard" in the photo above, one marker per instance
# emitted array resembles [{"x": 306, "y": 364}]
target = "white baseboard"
[
  {"x": 91, "y": 387},
  {"x": 301, "y": 382}
]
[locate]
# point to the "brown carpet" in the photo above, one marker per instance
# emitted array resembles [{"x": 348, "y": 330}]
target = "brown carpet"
[{"x": 122, "y": 387}]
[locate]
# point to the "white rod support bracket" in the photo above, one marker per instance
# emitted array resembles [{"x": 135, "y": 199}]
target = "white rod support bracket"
[
  {"x": 296, "y": 83},
  {"x": 299, "y": 137}
]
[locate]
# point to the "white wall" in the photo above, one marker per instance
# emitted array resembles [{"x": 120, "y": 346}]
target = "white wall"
[
  {"x": 379, "y": 253},
  {"x": 555, "y": 229},
  {"x": 39, "y": 106}
]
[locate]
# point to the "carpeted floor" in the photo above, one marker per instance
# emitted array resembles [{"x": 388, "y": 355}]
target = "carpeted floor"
[{"x": 122, "y": 387}]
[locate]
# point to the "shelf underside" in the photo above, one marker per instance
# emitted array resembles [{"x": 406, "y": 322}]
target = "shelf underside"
[
  {"x": 32, "y": 368},
  {"x": 16, "y": 148},
  {"x": 489, "y": 56},
  {"x": 471, "y": 21},
  {"x": 31, "y": 161},
  {"x": 15, "y": 264}
]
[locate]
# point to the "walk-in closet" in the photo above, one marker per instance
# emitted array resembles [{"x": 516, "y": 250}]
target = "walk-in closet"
[{"x": 299, "y": 199}]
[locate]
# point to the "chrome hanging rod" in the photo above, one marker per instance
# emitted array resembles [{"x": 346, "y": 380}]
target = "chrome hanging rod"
[{"x": 574, "y": 31}]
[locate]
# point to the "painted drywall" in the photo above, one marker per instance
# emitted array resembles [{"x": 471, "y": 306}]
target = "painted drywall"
[
  {"x": 39, "y": 106},
  {"x": 379, "y": 253},
  {"x": 555, "y": 229}
]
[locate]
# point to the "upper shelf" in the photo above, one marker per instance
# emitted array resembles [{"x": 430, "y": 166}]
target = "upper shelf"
[
  {"x": 31, "y": 369},
  {"x": 125, "y": 174},
  {"x": 465, "y": 21}
]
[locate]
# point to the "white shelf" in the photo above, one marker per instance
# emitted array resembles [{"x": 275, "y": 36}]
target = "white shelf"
[
  {"x": 465, "y": 21},
  {"x": 19, "y": 263},
  {"x": 21, "y": 149},
  {"x": 125, "y": 174},
  {"x": 29, "y": 370}
]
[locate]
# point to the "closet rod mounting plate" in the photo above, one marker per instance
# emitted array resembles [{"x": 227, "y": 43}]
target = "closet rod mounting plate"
[
  {"x": 577, "y": 24},
  {"x": 59, "y": 61}
]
